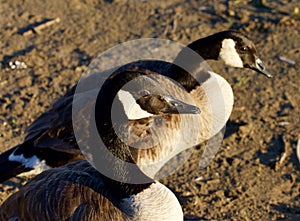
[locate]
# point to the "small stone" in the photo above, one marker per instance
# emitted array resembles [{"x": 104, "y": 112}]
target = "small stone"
[{"x": 231, "y": 12}]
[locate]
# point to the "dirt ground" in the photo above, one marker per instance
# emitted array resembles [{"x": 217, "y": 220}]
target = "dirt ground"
[{"x": 256, "y": 173}]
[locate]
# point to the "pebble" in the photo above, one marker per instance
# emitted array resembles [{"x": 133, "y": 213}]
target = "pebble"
[
  {"x": 231, "y": 13},
  {"x": 201, "y": 178},
  {"x": 284, "y": 123},
  {"x": 17, "y": 65}
]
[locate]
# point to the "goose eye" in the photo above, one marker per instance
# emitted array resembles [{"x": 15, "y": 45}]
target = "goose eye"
[
  {"x": 144, "y": 93},
  {"x": 244, "y": 49}
]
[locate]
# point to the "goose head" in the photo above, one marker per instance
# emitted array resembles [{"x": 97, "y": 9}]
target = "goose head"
[
  {"x": 233, "y": 48},
  {"x": 129, "y": 95},
  {"x": 143, "y": 97}
]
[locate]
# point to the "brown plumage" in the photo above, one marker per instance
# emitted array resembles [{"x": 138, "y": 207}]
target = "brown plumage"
[{"x": 75, "y": 197}]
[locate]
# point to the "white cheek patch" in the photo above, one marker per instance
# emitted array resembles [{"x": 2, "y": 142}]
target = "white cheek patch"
[
  {"x": 229, "y": 54},
  {"x": 132, "y": 110}
]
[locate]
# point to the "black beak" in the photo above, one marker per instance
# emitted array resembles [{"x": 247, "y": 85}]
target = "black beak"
[
  {"x": 259, "y": 67},
  {"x": 178, "y": 107}
]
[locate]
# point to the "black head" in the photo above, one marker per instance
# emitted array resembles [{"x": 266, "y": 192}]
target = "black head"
[
  {"x": 144, "y": 96},
  {"x": 234, "y": 48},
  {"x": 165, "y": 104}
]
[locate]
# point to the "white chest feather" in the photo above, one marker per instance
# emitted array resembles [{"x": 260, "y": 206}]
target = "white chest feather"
[
  {"x": 154, "y": 203},
  {"x": 229, "y": 54}
]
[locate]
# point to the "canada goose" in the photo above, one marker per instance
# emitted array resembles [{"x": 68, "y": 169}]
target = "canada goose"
[
  {"x": 50, "y": 140},
  {"x": 78, "y": 191}
]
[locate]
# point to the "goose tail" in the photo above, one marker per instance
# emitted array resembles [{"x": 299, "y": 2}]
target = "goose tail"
[{"x": 8, "y": 168}]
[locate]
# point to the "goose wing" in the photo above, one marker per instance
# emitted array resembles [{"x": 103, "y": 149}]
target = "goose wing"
[{"x": 73, "y": 192}]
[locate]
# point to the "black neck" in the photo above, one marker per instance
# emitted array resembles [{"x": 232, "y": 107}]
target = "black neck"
[
  {"x": 120, "y": 168},
  {"x": 208, "y": 48}
]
